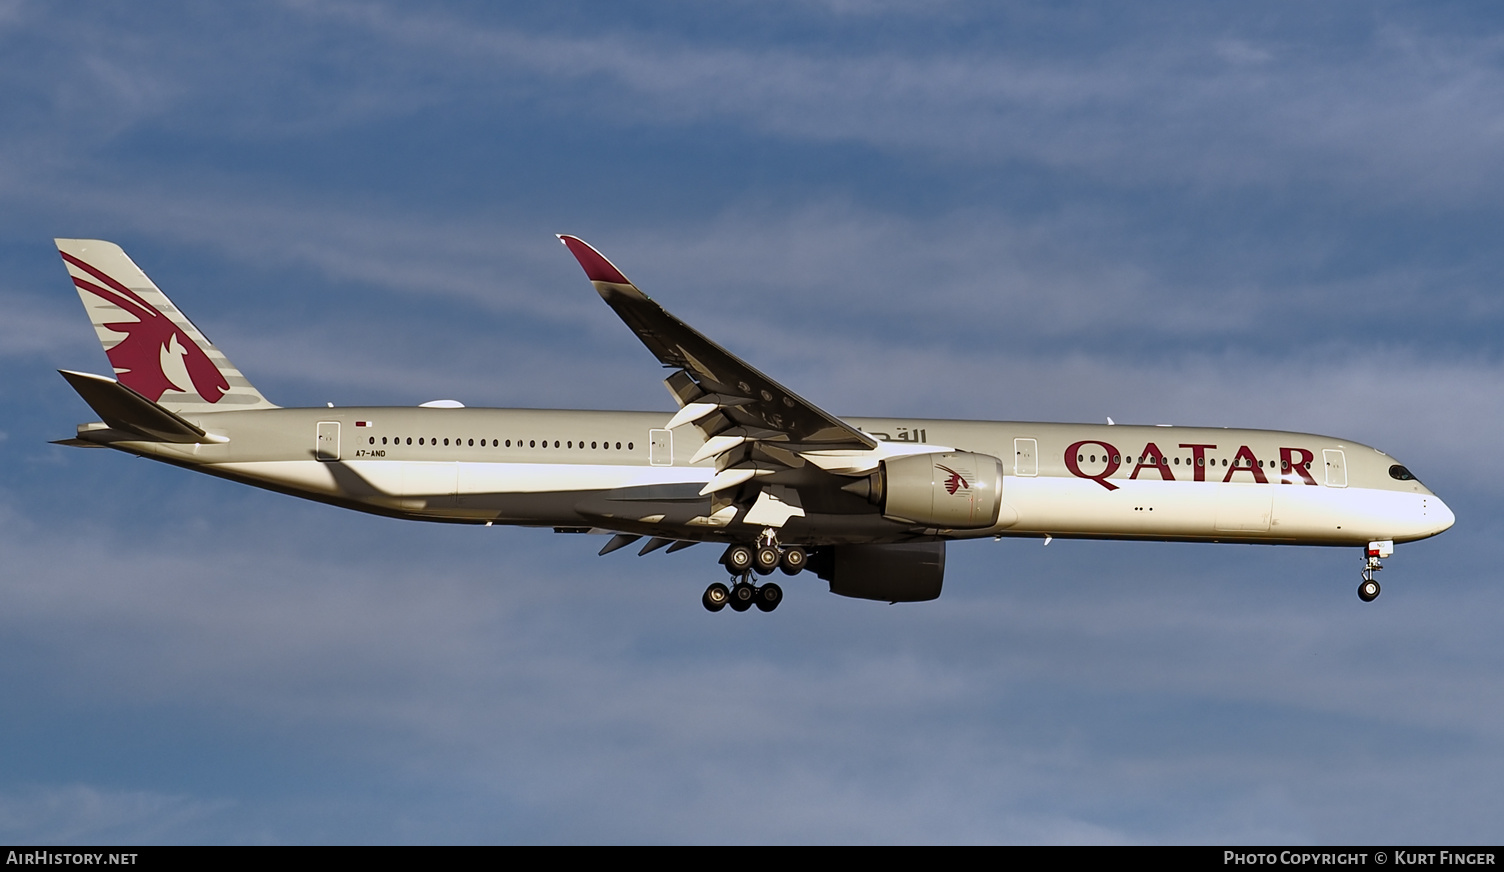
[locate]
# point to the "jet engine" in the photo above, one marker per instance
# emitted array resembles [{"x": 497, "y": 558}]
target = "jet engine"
[
  {"x": 955, "y": 490},
  {"x": 906, "y": 573}
]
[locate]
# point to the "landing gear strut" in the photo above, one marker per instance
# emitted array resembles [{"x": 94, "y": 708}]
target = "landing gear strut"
[
  {"x": 744, "y": 562},
  {"x": 1368, "y": 589}
]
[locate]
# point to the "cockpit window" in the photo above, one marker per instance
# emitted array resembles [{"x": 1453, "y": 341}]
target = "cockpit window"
[{"x": 1399, "y": 473}]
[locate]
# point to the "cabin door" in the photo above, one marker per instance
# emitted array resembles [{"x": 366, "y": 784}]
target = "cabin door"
[
  {"x": 1025, "y": 453},
  {"x": 1336, "y": 467},
  {"x": 326, "y": 446},
  {"x": 661, "y": 447}
]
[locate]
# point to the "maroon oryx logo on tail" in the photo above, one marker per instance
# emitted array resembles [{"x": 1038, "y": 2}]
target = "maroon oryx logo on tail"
[
  {"x": 152, "y": 346},
  {"x": 955, "y": 482}
]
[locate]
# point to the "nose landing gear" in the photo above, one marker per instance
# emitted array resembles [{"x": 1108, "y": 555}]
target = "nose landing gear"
[{"x": 1368, "y": 589}]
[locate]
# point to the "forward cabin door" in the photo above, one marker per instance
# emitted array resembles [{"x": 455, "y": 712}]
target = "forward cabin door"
[
  {"x": 1336, "y": 467},
  {"x": 326, "y": 446}
]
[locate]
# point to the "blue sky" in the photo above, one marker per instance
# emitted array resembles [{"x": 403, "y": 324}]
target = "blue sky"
[{"x": 1280, "y": 216}]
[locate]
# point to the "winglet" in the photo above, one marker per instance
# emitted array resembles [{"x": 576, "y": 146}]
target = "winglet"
[
  {"x": 713, "y": 378},
  {"x": 597, "y": 268}
]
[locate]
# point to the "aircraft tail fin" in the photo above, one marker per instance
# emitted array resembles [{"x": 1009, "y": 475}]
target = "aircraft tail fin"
[{"x": 155, "y": 350}]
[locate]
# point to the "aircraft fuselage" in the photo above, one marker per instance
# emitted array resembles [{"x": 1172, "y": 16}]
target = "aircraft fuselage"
[
  {"x": 865, "y": 503},
  {"x": 624, "y": 471}
]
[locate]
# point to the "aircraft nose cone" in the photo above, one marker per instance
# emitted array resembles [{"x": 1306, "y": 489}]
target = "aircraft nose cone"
[{"x": 1442, "y": 515}]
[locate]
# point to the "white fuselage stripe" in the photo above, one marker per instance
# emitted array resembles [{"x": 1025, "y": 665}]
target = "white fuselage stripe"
[{"x": 1041, "y": 504}]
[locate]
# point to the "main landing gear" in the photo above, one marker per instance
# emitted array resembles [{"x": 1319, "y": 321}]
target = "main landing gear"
[
  {"x": 745, "y": 562},
  {"x": 1368, "y": 589},
  {"x": 742, "y": 595}
]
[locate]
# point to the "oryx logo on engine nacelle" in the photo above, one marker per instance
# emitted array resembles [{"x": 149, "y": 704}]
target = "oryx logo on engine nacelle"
[{"x": 955, "y": 482}]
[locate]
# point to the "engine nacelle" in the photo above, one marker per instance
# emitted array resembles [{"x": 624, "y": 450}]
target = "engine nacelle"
[
  {"x": 955, "y": 490},
  {"x": 905, "y": 573}
]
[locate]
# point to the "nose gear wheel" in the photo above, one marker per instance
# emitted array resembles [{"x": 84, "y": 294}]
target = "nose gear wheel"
[{"x": 1368, "y": 590}]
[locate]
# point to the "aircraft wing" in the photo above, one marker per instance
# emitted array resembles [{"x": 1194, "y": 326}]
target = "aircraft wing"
[
  {"x": 726, "y": 383},
  {"x": 752, "y": 424}
]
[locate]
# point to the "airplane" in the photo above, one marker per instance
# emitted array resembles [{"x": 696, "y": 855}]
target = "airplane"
[{"x": 866, "y": 504}]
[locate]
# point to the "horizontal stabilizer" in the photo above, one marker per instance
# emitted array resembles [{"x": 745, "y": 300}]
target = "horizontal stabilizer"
[
  {"x": 76, "y": 443},
  {"x": 124, "y": 409}
]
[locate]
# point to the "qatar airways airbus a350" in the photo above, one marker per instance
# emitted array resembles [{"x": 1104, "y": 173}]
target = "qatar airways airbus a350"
[{"x": 867, "y": 504}]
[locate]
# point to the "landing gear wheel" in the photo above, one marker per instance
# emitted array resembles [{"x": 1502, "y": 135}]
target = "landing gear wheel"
[
  {"x": 737, "y": 559},
  {"x": 715, "y": 598},
  {"x": 769, "y": 596},
  {"x": 1373, "y": 556},
  {"x": 794, "y": 560},
  {"x": 742, "y": 595},
  {"x": 767, "y": 559}
]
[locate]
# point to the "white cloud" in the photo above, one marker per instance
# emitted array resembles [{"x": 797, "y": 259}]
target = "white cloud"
[
  {"x": 1406, "y": 115},
  {"x": 32, "y": 326},
  {"x": 1403, "y": 115},
  {"x": 77, "y": 814}
]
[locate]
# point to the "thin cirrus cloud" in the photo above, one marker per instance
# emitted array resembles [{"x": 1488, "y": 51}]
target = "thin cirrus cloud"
[
  {"x": 1401, "y": 104},
  {"x": 1400, "y": 114},
  {"x": 931, "y": 211}
]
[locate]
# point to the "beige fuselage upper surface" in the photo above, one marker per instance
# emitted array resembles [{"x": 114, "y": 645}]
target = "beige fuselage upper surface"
[{"x": 623, "y": 471}]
